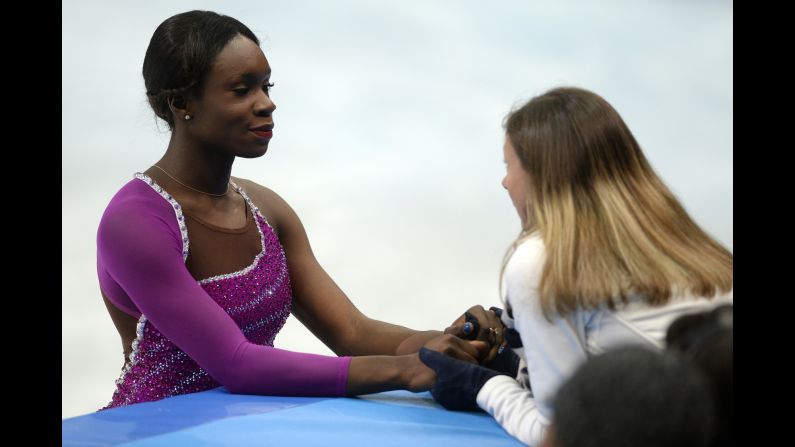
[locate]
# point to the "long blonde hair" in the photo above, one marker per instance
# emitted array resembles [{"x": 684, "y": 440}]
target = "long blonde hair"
[{"x": 609, "y": 225}]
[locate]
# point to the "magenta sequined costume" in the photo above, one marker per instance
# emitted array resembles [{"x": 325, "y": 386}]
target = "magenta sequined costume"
[{"x": 193, "y": 336}]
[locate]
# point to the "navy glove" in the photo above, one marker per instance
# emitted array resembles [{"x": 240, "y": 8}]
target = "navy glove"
[
  {"x": 506, "y": 362},
  {"x": 457, "y": 382}
]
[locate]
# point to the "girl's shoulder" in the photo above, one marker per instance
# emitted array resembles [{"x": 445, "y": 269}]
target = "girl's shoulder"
[
  {"x": 525, "y": 264},
  {"x": 529, "y": 251}
]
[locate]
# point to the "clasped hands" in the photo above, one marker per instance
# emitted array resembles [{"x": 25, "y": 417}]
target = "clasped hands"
[{"x": 471, "y": 351}]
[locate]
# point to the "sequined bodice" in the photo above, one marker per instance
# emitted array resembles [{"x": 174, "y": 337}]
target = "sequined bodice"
[{"x": 258, "y": 298}]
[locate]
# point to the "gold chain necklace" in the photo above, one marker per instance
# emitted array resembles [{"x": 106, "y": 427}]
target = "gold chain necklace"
[{"x": 191, "y": 188}]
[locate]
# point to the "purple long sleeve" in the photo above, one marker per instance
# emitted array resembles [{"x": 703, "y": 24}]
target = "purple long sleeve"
[{"x": 141, "y": 270}]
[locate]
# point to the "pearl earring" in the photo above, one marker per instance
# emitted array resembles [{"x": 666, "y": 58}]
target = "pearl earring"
[{"x": 187, "y": 117}]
